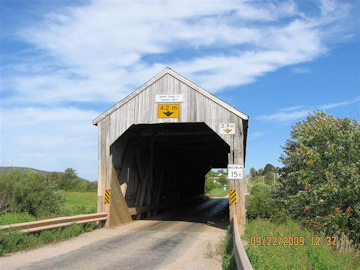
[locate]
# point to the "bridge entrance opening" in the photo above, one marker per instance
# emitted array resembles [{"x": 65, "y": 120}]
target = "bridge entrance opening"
[{"x": 159, "y": 166}]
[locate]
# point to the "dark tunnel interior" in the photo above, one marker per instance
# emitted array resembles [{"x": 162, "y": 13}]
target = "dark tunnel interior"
[{"x": 162, "y": 165}]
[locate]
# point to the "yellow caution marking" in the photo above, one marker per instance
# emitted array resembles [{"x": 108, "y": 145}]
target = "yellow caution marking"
[
  {"x": 233, "y": 196},
  {"x": 168, "y": 110},
  {"x": 107, "y": 196},
  {"x": 227, "y": 130}
]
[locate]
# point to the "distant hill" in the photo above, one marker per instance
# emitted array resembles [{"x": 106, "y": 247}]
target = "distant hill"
[
  {"x": 6, "y": 169},
  {"x": 67, "y": 180}
]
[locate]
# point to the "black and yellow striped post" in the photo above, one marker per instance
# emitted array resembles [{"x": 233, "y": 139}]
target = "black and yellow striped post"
[
  {"x": 107, "y": 196},
  {"x": 233, "y": 196}
]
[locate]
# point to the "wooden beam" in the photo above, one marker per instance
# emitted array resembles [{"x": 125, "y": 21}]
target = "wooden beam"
[{"x": 119, "y": 211}]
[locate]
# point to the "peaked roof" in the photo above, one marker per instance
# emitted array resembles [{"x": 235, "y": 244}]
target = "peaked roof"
[{"x": 169, "y": 71}]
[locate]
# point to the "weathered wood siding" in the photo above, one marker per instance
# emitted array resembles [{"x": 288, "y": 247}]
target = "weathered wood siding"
[{"x": 196, "y": 107}]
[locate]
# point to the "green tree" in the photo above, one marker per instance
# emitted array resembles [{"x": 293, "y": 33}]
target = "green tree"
[
  {"x": 320, "y": 182},
  {"x": 209, "y": 183},
  {"x": 31, "y": 192},
  {"x": 222, "y": 179},
  {"x": 269, "y": 168},
  {"x": 70, "y": 173},
  {"x": 261, "y": 203},
  {"x": 253, "y": 172}
]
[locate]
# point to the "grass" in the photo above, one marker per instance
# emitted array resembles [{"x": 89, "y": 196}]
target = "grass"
[
  {"x": 305, "y": 256},
  {"x": 218, "y": 192},
  {"x": 81, "y": 202},
  {"x": 77, "y": 203},
  {"x": 12, "y": 218},
  {"x": 12, "y": 240},
  {"x": 228, "y": 259}
]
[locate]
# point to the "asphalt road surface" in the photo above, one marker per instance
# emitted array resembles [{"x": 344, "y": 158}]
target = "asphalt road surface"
[{"x": 184, "y": 239}]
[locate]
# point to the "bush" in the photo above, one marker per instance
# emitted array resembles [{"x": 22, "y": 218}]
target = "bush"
[
  {"x": 320, "y": 181},
  {"x": 31, "y": 192},
  {"x": 12, "y": 218},
  {"x": 261, "y": 203},
  {"x": 209, "y": 184},
  {"x": 293, "y": 256},
  {"x": 13, "y": 240},
  {"x": 228, "y": 259},
  {"x": 47, "y": 236},
  {"x": 71, "y": 231}
]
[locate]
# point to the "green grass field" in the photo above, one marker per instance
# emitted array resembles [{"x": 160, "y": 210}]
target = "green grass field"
[
  {"x": 81, "y": 201},
  {"x": 289, "y": 246},
  {"x": 218, "y": 192}
]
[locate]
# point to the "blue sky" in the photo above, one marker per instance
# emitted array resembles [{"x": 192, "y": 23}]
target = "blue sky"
[{"x": 65, "y": 62}]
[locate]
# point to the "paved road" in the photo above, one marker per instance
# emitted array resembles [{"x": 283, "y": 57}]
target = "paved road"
[{"x": 184, "y": 239}]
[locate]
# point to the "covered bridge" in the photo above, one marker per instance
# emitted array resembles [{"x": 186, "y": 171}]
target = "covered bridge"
[{"x": 157, "y": 144}]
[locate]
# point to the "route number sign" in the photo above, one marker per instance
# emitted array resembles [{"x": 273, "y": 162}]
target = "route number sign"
[
  {"x": 168, "y": 110},
  {"x": 235, "y": 171},
  {"x": 227, "y": 128}
]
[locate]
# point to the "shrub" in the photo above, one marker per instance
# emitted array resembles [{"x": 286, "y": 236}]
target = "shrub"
[
  {"x": 12, "y": 218},
  {"x": 31, "y": 192},
  {"x": 320, "y": 181},
  {"x": 228, "y": 260},
  {"x": 71, "y": 231},
  {"x": 293, "y": 256},
  {"x": 260, "y": 202},
  {"x": 13, "y": 240},
  {"x": 47, "y": 236}
]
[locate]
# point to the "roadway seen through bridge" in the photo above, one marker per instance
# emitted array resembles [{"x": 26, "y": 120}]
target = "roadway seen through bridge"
[{"x": 181, "y": 239}]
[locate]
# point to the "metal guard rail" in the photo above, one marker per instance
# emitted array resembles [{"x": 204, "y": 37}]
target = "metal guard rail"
[
  {"x": 242, "y": 260},
  {"x": 36, "y": 226}
]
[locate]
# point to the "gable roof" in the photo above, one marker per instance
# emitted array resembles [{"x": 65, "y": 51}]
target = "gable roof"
[{"x": 169, "y": 71}]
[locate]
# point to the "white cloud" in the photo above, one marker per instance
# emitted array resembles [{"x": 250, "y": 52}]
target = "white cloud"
[
  {"x": 284, "y": 116},
  {"x": 50, "y": 138},
  {"x": 96, "y": 51},
  {"x": 255, "y": 135},
  {"x": 103, "y": 50},
  {"x": 300, "y": 70},
  {"x": 298, "y": 112}
]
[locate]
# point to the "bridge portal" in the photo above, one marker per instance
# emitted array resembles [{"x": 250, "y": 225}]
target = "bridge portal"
[{"x": 157, "y": 144}]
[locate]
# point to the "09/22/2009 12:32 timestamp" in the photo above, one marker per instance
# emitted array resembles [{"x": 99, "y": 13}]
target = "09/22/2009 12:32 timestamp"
[{"x": 292, "y": 241}]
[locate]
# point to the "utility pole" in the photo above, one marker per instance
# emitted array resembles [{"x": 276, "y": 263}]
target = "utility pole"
[{"x": 274, "y": 178}]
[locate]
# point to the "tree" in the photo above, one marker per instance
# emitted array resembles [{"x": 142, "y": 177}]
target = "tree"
[
  {"x": 70, "y": 173},
  {"x": 320, "y": 182},
  {"x": 209, "y": 183},
  {"x": 253, "y": 172},
  {"x": 31, "y": 192},
  {"x": 260, "y": 202},
  {"x": 269, "y": 168},
  {"x": 222, "y": 179}
]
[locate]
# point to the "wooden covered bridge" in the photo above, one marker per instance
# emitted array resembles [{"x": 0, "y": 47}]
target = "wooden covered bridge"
[{"x": 157, "y": 144}]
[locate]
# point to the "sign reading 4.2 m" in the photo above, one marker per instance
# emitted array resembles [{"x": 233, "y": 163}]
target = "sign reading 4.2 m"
[
  {"x": 235, "y": 171},
  {"x": 168, "y": 110}
]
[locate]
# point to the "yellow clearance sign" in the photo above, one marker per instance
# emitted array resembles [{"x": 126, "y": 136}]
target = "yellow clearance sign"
[{"x": 168, "y": 110}]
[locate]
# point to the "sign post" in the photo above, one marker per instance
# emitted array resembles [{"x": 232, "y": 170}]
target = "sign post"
[{"x": 237, "y": 196}]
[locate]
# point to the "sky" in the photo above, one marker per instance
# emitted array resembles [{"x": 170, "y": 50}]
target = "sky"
[{"x": 65, "y": 62}]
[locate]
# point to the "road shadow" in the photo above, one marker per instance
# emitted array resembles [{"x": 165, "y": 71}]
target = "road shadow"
[{"x": 213, "y": 212}]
